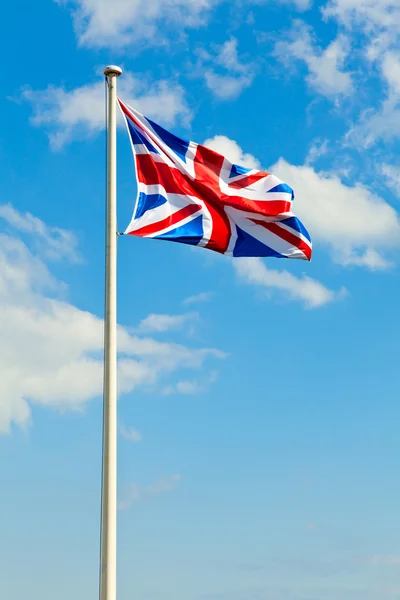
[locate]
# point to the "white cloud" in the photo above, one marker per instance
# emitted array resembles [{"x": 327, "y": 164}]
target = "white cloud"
[
  {"x": 54, "y": 242},
  {"x": 384, "y": 123},
  {"x": 392, "y": 176},
  {"x": 183, "y": 387},
  {"x": 369, "y": 258},
  {"x": 201, "y": 297},
  {"x": 325, "y": 66},
  {"x": 227, "y": 87},
  {"x": 317, "y": 149},
  {"x": 133, "y": 20},
  {"x": 312, "y": 293},
  {"x": 190, "y": 387},
  {"x": 232, "y": 151},
  {"x": 300, "y": 5},
  {"x": 51, "y": 351},
  {"x": 303, "y": 4},
  {"x": 355, "y": 224},
  {"x": 131, "y": 434},
  {"x": 391, "y": 71},
  {"x": 79, "y": 112},
  {"x": 379, "y": 23},
  {"x": 237, "y": 75},
  {"x": 369, "y": 14},
  {"x": 385, "y": 560},
  {"x": 374, "y": 126},
  {"x": 161, "y": 323},
  {"x": 136, "y": 493},
  {"x": 228, "y": 58}
]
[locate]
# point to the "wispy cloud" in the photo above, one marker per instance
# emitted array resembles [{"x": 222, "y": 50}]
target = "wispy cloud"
[
  {"x": 78, "y": 113},
  {"x": 190, "y": 387},
  {"x": 131, "y": 22},
  {"x": 136, "y": 493},
  {"x": 382, "y": 123},
  {"x": 198, "y": 298},
  {"x": 372, "y": 17},
  {"x": 377, "y": 24},
  {"x": 51, "y": 351},
  {"x": 54, "y": 242},
  {"x": 227, "y": 87},
  {"x": 317, "y": 149},
  {"x": 385, "y": 560},
  {"x": 391, "y": 174},
  {"x": 131, "y": 434},
  {"x": 326, "y": 72},
  {"x": 309, "y": 291},
  {"x": 156, "y": 323},
  {"x": 228, "y": 76}
]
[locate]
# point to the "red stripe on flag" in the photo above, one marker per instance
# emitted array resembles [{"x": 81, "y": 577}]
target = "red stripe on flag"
[
  {"x": 173, "y": 219},
  {"x": 268, "y": 208},
  {"x": 247, "y": 180},
  {"x": 292, "y": 239},
  {"x": 208, "y": 167},
  {"x": 151, "y": 172}
]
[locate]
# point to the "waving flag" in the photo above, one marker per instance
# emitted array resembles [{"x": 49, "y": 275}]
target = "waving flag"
[{"x": 190, "y": 194}]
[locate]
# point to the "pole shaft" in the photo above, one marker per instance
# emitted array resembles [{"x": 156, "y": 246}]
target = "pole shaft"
[{"x": 108, "y": 560}]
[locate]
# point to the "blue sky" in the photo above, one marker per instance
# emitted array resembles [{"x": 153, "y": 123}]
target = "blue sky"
[{"x": 258, "y": 413}]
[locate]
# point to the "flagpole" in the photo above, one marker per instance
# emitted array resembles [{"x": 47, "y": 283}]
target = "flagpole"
[{"x": 108, "y": 552}]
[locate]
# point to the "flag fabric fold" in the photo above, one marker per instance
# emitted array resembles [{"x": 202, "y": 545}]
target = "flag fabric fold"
[{"x": 190, "y": 194}]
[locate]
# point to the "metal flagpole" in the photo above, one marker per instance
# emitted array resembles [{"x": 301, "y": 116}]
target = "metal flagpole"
[{"x": 108, "y": 552}]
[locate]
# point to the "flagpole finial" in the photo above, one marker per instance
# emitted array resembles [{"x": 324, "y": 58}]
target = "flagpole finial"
[{"x": 112, "y": 70}]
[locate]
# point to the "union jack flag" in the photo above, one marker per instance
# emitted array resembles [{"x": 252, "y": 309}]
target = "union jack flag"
[{"x": 190, "y": 194}]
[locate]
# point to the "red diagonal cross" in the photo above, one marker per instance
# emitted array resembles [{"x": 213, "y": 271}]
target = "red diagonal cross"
[
  {"x": 206, "y": 185},
  {"x": 208, "y": 166}
]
